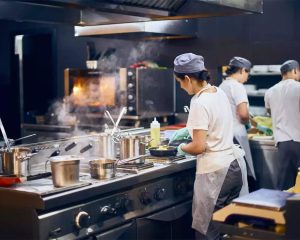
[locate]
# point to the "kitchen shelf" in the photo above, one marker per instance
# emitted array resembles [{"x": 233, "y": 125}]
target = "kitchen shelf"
[
  {"x": 255, "y": 95},
  {"x": 264, "y": 74}
]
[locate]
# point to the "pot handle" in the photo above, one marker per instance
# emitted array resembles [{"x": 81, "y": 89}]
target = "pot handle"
[
  {"x": 119, "y": 161},
  {"x": 146, "y": 142},
  {"x": 26, "y": 157}
]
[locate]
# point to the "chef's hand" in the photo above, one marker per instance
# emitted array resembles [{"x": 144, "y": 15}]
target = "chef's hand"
[
  {"x": 179, "y": 150},
  {"x": 265, "y": 130},
  {"x": 180, "y": 134}
]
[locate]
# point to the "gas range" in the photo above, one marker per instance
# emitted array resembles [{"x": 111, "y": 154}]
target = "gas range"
[{"x": 99, "y": 209}]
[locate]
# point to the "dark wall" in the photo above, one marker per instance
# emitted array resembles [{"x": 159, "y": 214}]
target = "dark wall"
[{"x": 270, "y": 38}]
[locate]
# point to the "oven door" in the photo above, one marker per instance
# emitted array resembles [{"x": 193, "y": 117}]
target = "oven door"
[
  {"x": 172, "y": 223},
  {"x": 124, "y": 232}
]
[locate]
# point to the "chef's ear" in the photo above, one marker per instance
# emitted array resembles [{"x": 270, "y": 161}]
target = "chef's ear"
[{"x": 187, "y": 78}]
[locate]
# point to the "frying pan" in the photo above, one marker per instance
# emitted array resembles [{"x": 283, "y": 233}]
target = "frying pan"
[
  {"x": 9, "y": 180},
  {"x": 169, "y": 151}
]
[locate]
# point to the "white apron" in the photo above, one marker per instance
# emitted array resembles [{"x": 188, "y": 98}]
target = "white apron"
[
  {"x": 240, "y": 135},
  {"x": 212, "y": 168}
]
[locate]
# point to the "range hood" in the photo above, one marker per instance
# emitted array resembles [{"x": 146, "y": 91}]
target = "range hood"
[
  {"x": 99, "y": 12},
  {"x": 151, "y": 19},
  {"x": 153, "y": 30}
]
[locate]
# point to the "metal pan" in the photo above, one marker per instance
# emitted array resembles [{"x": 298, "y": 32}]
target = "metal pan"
[{"x": 167, "y": 152}]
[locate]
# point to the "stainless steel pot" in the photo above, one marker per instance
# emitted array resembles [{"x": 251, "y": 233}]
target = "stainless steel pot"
[
  {"x": 103, "y": 168},
  {"x": 65, "y": 170},
  {"x": 14, "y": 161},
  {"x": 106, "y": 146},
  {"x": 133, "y": 146}
]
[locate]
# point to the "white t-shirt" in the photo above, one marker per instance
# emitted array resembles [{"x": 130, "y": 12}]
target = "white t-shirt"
[
  {"x": 236, "y": 94},
  {"x": 211, "y": 112},
  {"x": 284, "y": 101}
]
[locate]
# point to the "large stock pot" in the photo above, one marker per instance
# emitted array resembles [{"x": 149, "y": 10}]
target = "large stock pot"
[
  {"x": 14, "y": 161},
  {"x": 133, "y": 146}
]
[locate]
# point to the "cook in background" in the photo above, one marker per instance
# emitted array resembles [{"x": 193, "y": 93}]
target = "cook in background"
[
  {"x": 238, "y": 74},
  {"x": 218, "y": 174},
  {"x": 283, "y": 102}
]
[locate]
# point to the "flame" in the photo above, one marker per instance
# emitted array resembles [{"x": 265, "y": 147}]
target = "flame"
[{"x": 76, "y": 90}]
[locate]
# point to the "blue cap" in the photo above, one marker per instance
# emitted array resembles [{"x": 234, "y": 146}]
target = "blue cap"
[
  {"x": 240, "y": 63},
  {"x": 289, "y": 66},
  {"x": 189, "y": 63}
]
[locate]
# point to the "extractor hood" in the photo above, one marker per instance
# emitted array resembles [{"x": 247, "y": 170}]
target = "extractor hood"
[
  {"x": 153, "y": 30},
  {"x": 149, "y": 19},
  {"x": 99, "y": 12}
]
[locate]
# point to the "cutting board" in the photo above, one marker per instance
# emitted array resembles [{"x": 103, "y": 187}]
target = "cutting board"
[{"x": 265, "y": 198}]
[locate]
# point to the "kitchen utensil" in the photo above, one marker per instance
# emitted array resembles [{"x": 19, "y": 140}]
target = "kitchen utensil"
[
  {"x": 13, "y": 160},
  {"x": 104, "y": 168},
  {"x": 4, "y": 135},
  {"x": 65, "y": 170},
  {"x": 132, "y": 146},
  {"x": 106, "y": 146},
  {"x": 18, "y": 139},
  {"x": 163, "y": 152},
  {"x": 110, "y": 117},
  {"x": 123, "y": 111}
]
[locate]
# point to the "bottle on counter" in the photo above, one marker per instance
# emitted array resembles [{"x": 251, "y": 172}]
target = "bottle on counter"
[{"x": 155, "y": 133}]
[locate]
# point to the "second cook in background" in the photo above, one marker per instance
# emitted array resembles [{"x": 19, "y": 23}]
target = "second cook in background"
[
  {"x": 238, "y": 74},
  {"x": 219, "y": 177}
]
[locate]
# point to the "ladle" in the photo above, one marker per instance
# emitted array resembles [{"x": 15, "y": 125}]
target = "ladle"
[{"x": 5, "y": 136}]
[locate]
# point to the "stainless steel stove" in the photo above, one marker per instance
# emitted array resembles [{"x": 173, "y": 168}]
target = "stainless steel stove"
[{"x": 129, "y": 206}]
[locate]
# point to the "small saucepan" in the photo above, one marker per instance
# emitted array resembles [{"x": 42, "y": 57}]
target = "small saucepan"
[
  {"x": 163, "y": 151},
  {"x": 105, "y": 168}
]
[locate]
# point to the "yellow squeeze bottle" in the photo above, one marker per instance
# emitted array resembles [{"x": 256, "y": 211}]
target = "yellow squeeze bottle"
[{"x": 155, "y": 133}]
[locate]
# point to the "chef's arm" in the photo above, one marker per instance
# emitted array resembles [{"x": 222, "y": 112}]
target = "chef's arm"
[
  {"x": 243, "y": 112},
  {"x": 197, "y": 146},
  {"x": 269, "y": 111}
]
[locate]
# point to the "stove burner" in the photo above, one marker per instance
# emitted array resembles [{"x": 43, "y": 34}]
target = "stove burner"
[
  {"x": 134, "y": 167},
  {"x": 165, "y": 160}
]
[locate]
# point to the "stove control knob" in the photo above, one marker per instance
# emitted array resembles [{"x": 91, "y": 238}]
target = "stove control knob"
[
  {"x": 82, "y": 220},
  {"x": 160, "y": 194},
  {"x": 122, "y": 203},
  {"x": 130, "y": 74},
  {"x": 130, "y": 108},
  {"x": 130, "y": 97},
  {"x": 130, "y": 85},
  {"x": 145, "y": 198},
  {"x": 108, "y": 210}
]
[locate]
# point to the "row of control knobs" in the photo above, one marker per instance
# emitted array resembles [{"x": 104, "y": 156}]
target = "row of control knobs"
[
  {"x": 145, "y": 196},
  {"x": 82, "y": 219}
]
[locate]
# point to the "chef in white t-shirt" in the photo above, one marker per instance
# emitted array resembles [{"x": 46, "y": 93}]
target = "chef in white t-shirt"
[
  {"x": 283, "y": 102},
  {"x": 238, "y": 74},
  {"x": 219, "y": 177}
]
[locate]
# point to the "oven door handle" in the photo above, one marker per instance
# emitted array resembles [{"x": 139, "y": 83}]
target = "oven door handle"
[
  {"x": 171, "y": 214},
  {"x": 114, "y": 233}
]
